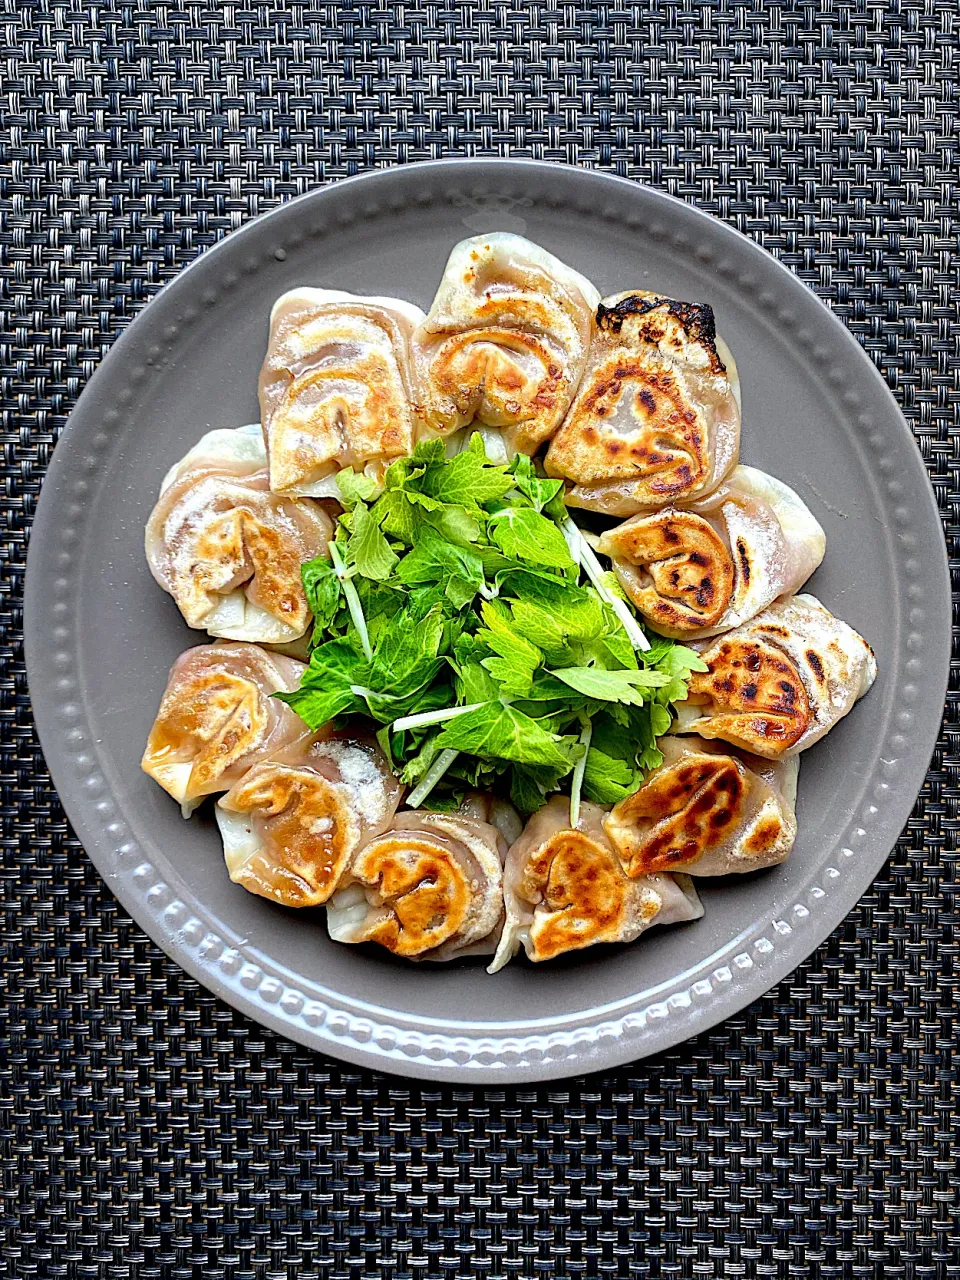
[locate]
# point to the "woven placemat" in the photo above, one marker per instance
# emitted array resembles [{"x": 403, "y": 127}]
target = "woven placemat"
[{"x": 148, "y": 1130}]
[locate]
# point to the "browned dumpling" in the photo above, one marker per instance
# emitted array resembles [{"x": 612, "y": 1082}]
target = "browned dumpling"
[
  {"x": 292, "y": 823},
  {"x": 657, "y": 418},
  {"x": 217, "y": 718},
  {"x": 428, "y": 888},
  {"x": 227, "y": 549},
  {"x": 777, "y": 684},
  {"x": 336, "y": 387},
  {"x": 564, "y": 889},
  {"x": 697, "y": 571},
  {"x": 708, "y": 811},
  {"x": 505, "y": 341}
]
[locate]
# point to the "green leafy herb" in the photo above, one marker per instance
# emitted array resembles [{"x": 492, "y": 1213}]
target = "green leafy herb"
[{"x": 454, "y": 619}]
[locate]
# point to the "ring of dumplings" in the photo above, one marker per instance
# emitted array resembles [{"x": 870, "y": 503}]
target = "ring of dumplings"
[{"x": 635, "y": 400}]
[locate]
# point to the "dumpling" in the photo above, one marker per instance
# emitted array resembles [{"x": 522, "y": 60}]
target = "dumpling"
[
  {"x": 227, "y": 549},
  {"x": 292, "y": 823},
  {"x": 565, "y": 889},
  {"x": 429, "y": 888},
  {"x": 505, "y": 341},
  {"x": 484, "y": 807},
  {"x": 707, "y": 811},
  {"x": 777, "y": 684},
  {"x": 696, "y": 571},
  {"x": 657, "y": 417},
  {"x": 336, "y": 387},
  {"x": 217, "y": 718}
]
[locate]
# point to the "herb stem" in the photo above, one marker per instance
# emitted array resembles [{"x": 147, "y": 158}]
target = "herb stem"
[
  {"x": 576, "y": 784},
  {"x": 432, "y": 717},
  {"x": 584, "y": 555},
  {"x": 430, "y": 779},
  {"x": 353, "y": 601}
]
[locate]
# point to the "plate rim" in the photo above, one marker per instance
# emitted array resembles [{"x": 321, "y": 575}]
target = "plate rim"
[{"x": 496, "y": 1057}]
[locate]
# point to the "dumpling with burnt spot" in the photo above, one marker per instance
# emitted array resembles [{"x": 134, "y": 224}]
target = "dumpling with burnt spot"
[
  {"x": 708, "y": 810},
  {"x": 505, "y": 341},
  {"x": 657, "y": 417},
  {"x": 564, "y": 889},
  {"x": 429, "y": 888},
  {"x": 777, "y": 684},
  {"x": 336, "y": 387},
  {"x": 227, "y": 549},
  {"x": 218, "y": 717},
  {"x": 696, "y": 571},
  {"x": 292, "y": 823}
]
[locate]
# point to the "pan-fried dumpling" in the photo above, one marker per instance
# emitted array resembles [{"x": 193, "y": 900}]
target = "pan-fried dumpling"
[
  {"x": 777, "y": 684},
  {"x": 484, "y": 807},
  {"x": 564, "y": 889},
  {"x": 429, "y": 888},
  {"x": 217, "y": 718},
  {"x": 505, "y": 342},
  {"x": 292, "y": 823},
  {"x": 707, "y": 811},
  {"x": 227, "y": 549},
  {"x": 657, "y": 417},
  {"x": 696, "y": 571},
  {"x": 336, "y": 387}
]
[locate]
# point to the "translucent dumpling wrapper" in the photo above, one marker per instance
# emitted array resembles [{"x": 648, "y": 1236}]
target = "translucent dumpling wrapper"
[
  {"x": 505, "y": 341},
  {"x": 708, "y": 811},
  {"x": 697, "y": 571},
  {"x": 218, "y": 717},
  {"x": 484, "y": 807},
  {"x": 292, "y": 823},
  {"x": 227, "y": 549},
  {"x": 336, "y": 387},
  {"x": 565, "y": 889},
  {"x": 428, "y": 888},
  {"x": 656, "y": 419},
  {"x": 777, "y": 684}
]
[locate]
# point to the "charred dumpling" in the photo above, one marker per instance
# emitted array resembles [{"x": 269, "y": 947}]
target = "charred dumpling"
[
  {"x": 336, "y": 387},
  {"x": 505, "y": 341},
  {"x": 429, "y": 888},
  {"x": 696, "y": 571},
  {"x": 777, "y": 684},
  {"x": 565, "y": 889},
  {"x": 218, "y": 717},
  {"x": 292, "y": 823},
  {"x": 657, "y": 417},
  {"x": 227, "y": 549},
  {"x": 707, "y": 810}
]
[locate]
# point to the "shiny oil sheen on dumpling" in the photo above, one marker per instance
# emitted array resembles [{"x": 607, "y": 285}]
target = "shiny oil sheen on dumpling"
[
  {"x": 217, "y": 718},
  {"x": 505, "y": 341},
  {"x": 708, "y": 811},
  {"x": 657, "y": 417},
  {"x": 292, "y": 823},
  {"x": 777, "y": 684},
  {"x": 696, "y": 571},
  {"x": 336, "y": 387},
  {"x": 428, "y": 888},
  {"x": 227, "y": 549},
  {"x": 565, "y": 889}
]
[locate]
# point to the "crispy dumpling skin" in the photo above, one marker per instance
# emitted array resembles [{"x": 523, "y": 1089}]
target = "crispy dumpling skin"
[
  {"x": 336, "y": 387},
  {"x": 217, "y": 718},
  {"x": 708, "y": 810},
  {"x": 227, "y": 549},
  {"x": 292, "y": 823},
  {"x": 697, "y": 571},
  {"x": 565, "y": 889},
  {"x": 428, "y": 888},
  {"x": 777, "y": 684},
  {"x": 657, "y": 417},
  {"x": 505, "y": 341}
]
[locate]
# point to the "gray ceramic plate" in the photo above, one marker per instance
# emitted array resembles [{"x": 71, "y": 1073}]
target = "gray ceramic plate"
[{"x": 101, "y": 635}]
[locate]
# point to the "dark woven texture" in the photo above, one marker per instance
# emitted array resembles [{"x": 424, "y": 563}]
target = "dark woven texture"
[{"x": 147, "y": 1130}]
